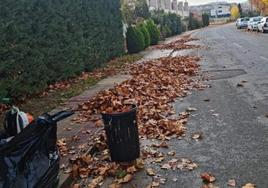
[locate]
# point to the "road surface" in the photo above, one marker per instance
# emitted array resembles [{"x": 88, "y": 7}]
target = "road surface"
[{"x": 233, "y": 122}]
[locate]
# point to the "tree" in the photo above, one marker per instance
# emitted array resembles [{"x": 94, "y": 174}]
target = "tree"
[
  {"x": 261, "y": 6},
  {"x": 235, "y": 12},
  {"x": 154, "y": 32},
  {"x": 205, "y": 19},
  {"x": 146, "y": 35},
  {"x": 135, "y": 40},
  {"x": 193, "y": 22},
  {"x": 142, "y": 9},
  {"x": 128, "y": 13},
  {"x": 265, "y": 2},
  {"x": 240, "y": 10}
]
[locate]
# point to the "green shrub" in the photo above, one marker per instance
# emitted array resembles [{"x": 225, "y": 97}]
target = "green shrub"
[
  {"x": 205, "y": 19},
  {"x": 146, "y": 35},
  {"x": 170, "y": 20},
  {"x": 43, "y": 41},
  {"x": 154, "y": 32},
  {"x": 165, "y": 32},
  {"x": 135, "y": 40}
]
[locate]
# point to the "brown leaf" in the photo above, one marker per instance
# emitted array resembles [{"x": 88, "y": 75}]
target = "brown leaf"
[
  {"x": 249, "y": 185},
  {"x": 95, "y": 182},
  {"x": 150, "y": 172},
  {"x": 139, "y": 164},
  {"x": 210, "y": 185},
  {"x": 131, "y": 169},
  {"x": 75, "y": 171},
  {"x": 76, "y": 186},
  {"x": 166, "y": 166},
  {"x": 125, "y": 179},
  {"x": 207, "y": 177},
  {"x": 115, "y": 185}
]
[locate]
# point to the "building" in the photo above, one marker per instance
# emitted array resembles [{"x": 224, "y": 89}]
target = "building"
[
  {"x": 220, "y": 11},
  {"x": 215, "y": 10},
  {"x": 173, "y": 6}
]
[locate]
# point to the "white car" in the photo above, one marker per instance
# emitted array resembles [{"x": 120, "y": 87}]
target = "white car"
[
  {"x": 263, "y": 25},
  {"x": 242, "y": 23},
  {"x": 253, "y": 23}
]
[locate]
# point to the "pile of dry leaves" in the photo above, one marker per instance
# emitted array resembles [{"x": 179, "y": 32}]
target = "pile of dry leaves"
[
  {"x": 180, "y": 44},
  {"x": 153, "y": 86}
]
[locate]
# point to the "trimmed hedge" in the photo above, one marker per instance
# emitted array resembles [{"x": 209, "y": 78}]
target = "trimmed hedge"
[
  {"x": 146, "y": 35},
  {"x": 135, "y": 40},
  {"x": 170, "y": 24},
  {"x": 154, "y": 32},
  {"x": 43, "y": 41}
]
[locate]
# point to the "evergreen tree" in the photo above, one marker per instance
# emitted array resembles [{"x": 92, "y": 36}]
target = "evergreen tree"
[
  {"x": 154, "y": 32},
  {"x": 142, "y": 9},
  {"x": 240, "y": 10},
  {"x": 205, "y": 19},
  {"x": 135, "y": 40},
  {"x": 147, "y": 38}
]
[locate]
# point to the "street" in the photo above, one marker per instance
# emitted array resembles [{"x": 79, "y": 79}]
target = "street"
[
  {"x": 231, "y": 114},
  {"x": 233, "y": 122}
]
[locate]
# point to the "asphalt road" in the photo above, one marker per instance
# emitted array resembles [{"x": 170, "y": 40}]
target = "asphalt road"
[{"x": 233, "y": 122}]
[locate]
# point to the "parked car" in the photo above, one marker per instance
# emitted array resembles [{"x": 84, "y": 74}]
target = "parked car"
[
  {"x": 263, "y": 25},
  {"x": 253, "y": 23},
  {"x": 242, "y": 23}
]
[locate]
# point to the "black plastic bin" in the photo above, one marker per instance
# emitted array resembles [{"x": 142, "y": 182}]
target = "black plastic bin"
[{"x": 122, "y": 135}]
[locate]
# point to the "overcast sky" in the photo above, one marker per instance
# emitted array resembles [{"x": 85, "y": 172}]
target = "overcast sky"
[{"x": 198, "y": 2}]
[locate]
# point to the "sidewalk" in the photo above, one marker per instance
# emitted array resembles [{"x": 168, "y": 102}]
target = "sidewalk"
[{"x": 78, "y": 135}]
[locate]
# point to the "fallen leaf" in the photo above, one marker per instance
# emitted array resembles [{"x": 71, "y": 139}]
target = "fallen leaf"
[
  {"x": 125, "y": 179},
  {"x": 115, "y": 185},
  {"x": 131, "y": 169},
  {"x": 207, "y": 177},
  {"x": 76, "y": 186},
  {"x": 155, "y": 184},
  {"x": 159, "y": 159},
  {"x": 171, "y": 153},
  {"x": 210, "y": 185},
  {"x": 249, "y": 185},
  {"x": 95, "y": 182},
  {"x": 166, "y": 166},
  {"x": 150, "y": 172},
  {"x": 231, "y": 183},
  {"x": 197, "y": 136}
]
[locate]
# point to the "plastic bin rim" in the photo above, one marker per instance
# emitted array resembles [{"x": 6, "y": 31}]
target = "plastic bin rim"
[{"x": 134, "y": 108}]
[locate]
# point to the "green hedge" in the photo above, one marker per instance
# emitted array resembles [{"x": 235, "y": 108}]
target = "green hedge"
[
  {"x": 43, "y": 41},
  {"x": 146, "y": 35},
  {"x": 135, "y": 40},
  {"x": 170, "y": 24},
  {"x": 153, "y": 31}
]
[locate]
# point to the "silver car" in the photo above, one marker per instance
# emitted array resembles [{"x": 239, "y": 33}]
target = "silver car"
[{"x": 242, "y": 23}]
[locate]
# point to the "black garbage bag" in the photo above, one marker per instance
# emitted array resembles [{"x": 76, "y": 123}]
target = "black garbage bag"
[{"x": 30, "y": 159}]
